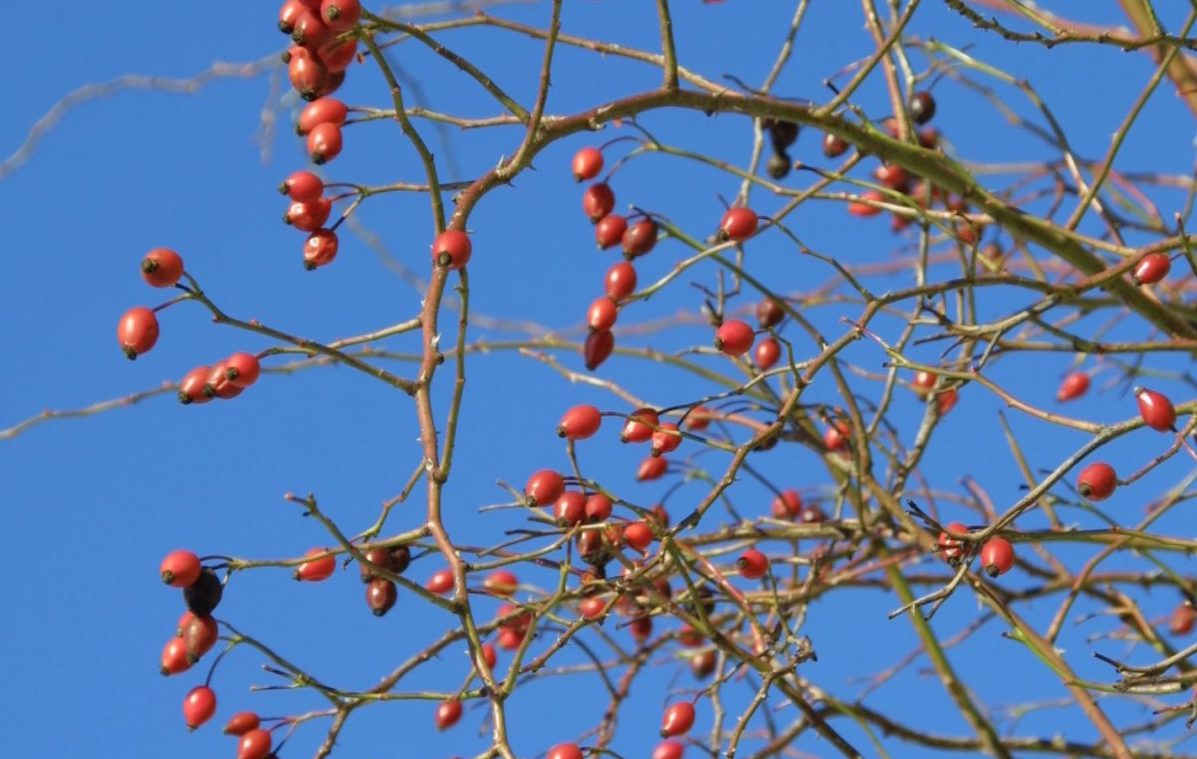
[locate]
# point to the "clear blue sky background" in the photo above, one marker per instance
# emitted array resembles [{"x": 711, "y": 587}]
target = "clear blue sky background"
[{"x": 91, "y": 506}]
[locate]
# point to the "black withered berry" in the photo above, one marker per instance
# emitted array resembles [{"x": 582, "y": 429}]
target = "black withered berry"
[
  {"x": 778, "y": 166},
  {"x": 922, "y": 107},
  {"x": 203, "y": 596}
]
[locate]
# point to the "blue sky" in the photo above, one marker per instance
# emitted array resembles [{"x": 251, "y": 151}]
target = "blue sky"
[{"x": 91, "y": 506}]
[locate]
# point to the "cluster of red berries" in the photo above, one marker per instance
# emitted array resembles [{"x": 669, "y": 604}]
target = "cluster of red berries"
[
  {"x": 924, "y": 383},
  {"x": 310, "y": 208},
  {"x": 323, "y": 50},
  {"x": 225, "y": 379},
  {"x": 381, "y": 594},
  {"x": 997, "y": 553}
]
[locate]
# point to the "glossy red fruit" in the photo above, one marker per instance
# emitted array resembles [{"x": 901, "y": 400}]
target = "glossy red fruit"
[
  {"x": 174, "y": 657},
  {"x": 341, "y": 15},
  {"x": 734, "y": 337},
  {"x": 811, "y": 514},
  {"x": 288, "y": 13},
  {"x": 752, "y": 564},
  {"x": 320, "y": 249},
  {"x": 652, "y": 468},
  {"x": 640, "y": 238},
  {"x": 597, "y": 348},
  {"x": 641, "y": 628},
  {"x": 381, "y": 595},
  {"x": 838, "y": 435},
  {"x": 308, "y": 74},
  {"x": 191, "y": 387},
  {"x": 162, "y": 267},
  {"x": 929, "y": 138},
  {"x": 254, "y": 745},
  {"x": 699, "y": 419},
  {"x": 440, "y": 583},
  {"x": 379, "y": 557},
  {"x": 324, "y": 143},
  {"x": 997, "y": 556},
  {"x": 640, "y": 426},
  {"x": 666, "y": 439},
  {"x": 180, "y": 568},
  {"x": 598, "y": 507},
  {"x": 217, "y": 384},
  {"x": 509, "y": 640},
  {"x": 337, "y": 57},
  {"x": 400, "y": 559},
  {"x": 952, "y": 549},
  {"x": 638, "y": 535},
  {"x": 921, "y": 107},
  {"x": 579, "y": 422},
  {"x": 310, "y": 32},
  {"x": 544, "y": 487},
  {"x": 137, "y": 331},
  {"x": 489, "y": 655},
  {"x": 452, "y": 248},
  {"x": 592, "y": 607},
  {"x": 923, "y": 383},
  {"x": 892, "y": 176},
  {"x": 946, "y": 400},
  {"x": 787, "y": 505},
  {"x": 766, "y": 354},
  {"x": 242, "y": 369},
  {"x": 570, "y": 508},
  {"x": 1182, "y": 620},
  {"x": 198, "y": 706},
  {"x": 501, "y": 582},
  {"x": 308, "y": 217},
  {"x": 769, "y": 313},
  {"x": 1074, "y": 385},
  {"x": 1097, "y": 482},
  {"x": 587, "y": 163},
  {"x": 316, "y": 570},
  {"x": 602, "y": 314},
  {"x": 620, "y": 280},
  {"x": 834, "y": 147},
  {"x": 199, "y": 636},
  {"x": 1155, "y": 408},
  {"x": 302, "y": 187},
  {"x": 447, "y": 714},
  {"x": 598, "y": 201},
  {"x": 677, "y": 720},
  {"x": 241, "y": 723},
  {"x": 864, "y": 209},
  {"x": 322, "y": 111},
  {"x": 1152, "y": 268},
  {"x": 738, "y": 224},
  {"x": 609, "y": 230},
  {"x": 565, "y": 751}
]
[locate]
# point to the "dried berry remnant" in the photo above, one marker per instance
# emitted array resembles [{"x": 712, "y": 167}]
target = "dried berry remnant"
[
  {"x": 922, "y": 107},
  {"x": 203, "y": 596}
]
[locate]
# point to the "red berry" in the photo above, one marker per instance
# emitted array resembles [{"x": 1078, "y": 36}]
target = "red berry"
[
  {"x": 1152, "y": 268},
  {"x": 1155, "y": 408},
  {"x": 640, "y": 426},
  {"x": 579, "y": 422},
  {"x": 892, "y": 176},
  {"x": 666, "y": 439},
  {"x": 379, "y": 557},
  {"x": 310, "y": 32},
  {"x": 162, "y": 267},
  {"x": 652, "y": 468},
  {"x": 769, "y": 313},
  {"x": 597, "y": 348},
  {"x": 174, "y": 657},
  {"x": 489, "y": 655},
  {"x": 288, "y": 13},
  {"x": 787, "y": 505},
  {"x": 320, "y": 249},
  {"x": 602, "y": 314},
  {"x": 191, "y": 387},
  {"x": 767, "y": 353},
  {"x": 837, "y": 435},
  {"x": 738, "y": 224},
  {"x": 1074, "y": 385},
  {"x": 997, "y": 556},
  {"x": 322, "y": 111},
  {"x": 308, "y": 217},
  {"x": 303, "y": 187},
  {"x": 199, "y": 636},
  {"x": 180, "y": 568},
  {"x": 501, "y": 582},
  {"x": 834, "y": 147},
  {"x": 137, "y": 331},
  {"x": 509, "y": 640},
  {"x": 199, "y": 706},
  {"x": 641, "y": 627},
  {"x": 812, "y": 515},
  {"x": 324, "y": 142},
  {"x": 598, "y": 507},
  {"x": 570, "y": 508},
  {"x": 1182, "y": 620},
  {"x": 316, "y": 570},
  {"x": 308, "y": 74},
  {"x": 862, "y": 209},
  {"x": 699, "y": 419},
  {"x": 254, "y": 745},
  {"x": 337, "y": 56},
  {"x": 587, "y": 163},
  {"x": 447, "y": 714},
  {"x": 946, "y": 401},
  {"x": 598, "y": 201},
  {"x": 621, "y": 280},
  {"x": 243, "y": 369},
  {"x": 440, "y": 583},
  {"x": 608, "y": 232},
  {"x": 752, "y": 564},
  {"x": 381, "y": 595},
  {"x": 638, "y": 535},
  {"x": 640, "y": 238},
  {"x": 1097, "y": 481},
  {"x": 241, "y": 723},
  {"x": 922, "y": 107},
  {"x": 923, "y": 383},
  {"x": 544, "y": 487},
  {"x": 592, "y": 607},
  {"x": 340, "y": 15},
  {"x": 217, "y": 384},
  {"x": 952, "y": 549},
  {"x": 565, "y": 751},
  {"x": 734, "y": 337},
  {"x": 452, "y": 248},
  {"x": 678, "y": 719}
]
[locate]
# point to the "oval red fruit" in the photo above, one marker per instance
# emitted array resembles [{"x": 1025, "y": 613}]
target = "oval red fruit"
[
  {"x": 324, "y": 142},
  {"x": 677, "y": 720},
  {"x": 609, "y": 230},
  {"x": 587, "y": 163},
  {"x": 316, "y": 570},
  {"x": 767, "y": 353},
  {"x": 174, "y": 657},
  {"x": 997, "y": 556},
  {"x": 452, "y": 248},
  {"x": 321, "y": 111},
  {"x": 738, "y": 224},
  {"x": 734, "y": 337},
  {"x": 308, "y": 217},
  {"x": 1152, "y": 268},
  {"x": 951, "y": 549},
  {"x": 254, "y": 745},
  {"x": 302, "y": 187},
  {"x": 242, "y": 369},
  {"x": 180, "y": 568},
  {"x": 440, "y": 583},
  {"x": 241, "y": 723},
  {"x": 598, "y": 201},
  {"x": 640, "y": 426},
  {"x": 620, "y": 280},
  {"x": 381, "y": 595},
  {"x": 162, "y": 267},
  {"x": 198, "y": 706},
  {"x": 320, "y": 249},
  {"x": 565, "y": 751},
  {"x": 544, "y": 487},
  {"x": 752, "y": 564},
  {"x": 579, "y": 422},
  {"x": 666, "y": 439},
  {"x": 602, "y": 314},
  {"x": 598, "y": 507},
  {"x": 640, "y": 238},
  {"x": 341, "y": 15},
  {"x": 865, "y": 209},
  {"x": 1155, "y": 408},
  {"x": 652, "y": 468},
  {"x": 137, "y": 331},
  {"x": 597, "y": 348},
  {"x": 570, "y": 508},
  {"x": 447, "y": 714},
  {"x": 1074, "y": 385},
  {"x": 1097, "y": 481},
  {"x": 638, "y": 535}
]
